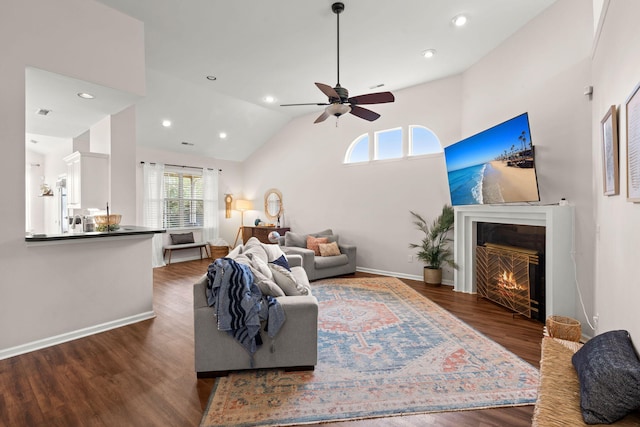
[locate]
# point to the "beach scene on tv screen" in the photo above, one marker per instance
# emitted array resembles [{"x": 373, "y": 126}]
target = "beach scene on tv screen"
[{"x": 494, "y": 166}]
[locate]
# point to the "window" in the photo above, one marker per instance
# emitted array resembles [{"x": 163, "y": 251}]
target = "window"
[
  {"x": 423, "y": 141},
  {"x": 183, "y": 200},
  {"x": 388, "y": 144},
  {"x": 391, "y": 144},
  {"x": 358, "y": 151}
]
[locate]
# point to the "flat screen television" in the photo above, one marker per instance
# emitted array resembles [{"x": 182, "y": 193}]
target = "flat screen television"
[{"x": 494, "y": 166}]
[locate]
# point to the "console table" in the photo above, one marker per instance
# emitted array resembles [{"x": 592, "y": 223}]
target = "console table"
[{"x": 261, "y": 233}]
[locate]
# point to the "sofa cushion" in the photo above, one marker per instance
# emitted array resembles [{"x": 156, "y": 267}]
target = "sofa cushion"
[
  {"x": 181, "y": 238},
  {"x": 313, "y": 242},
  {"x": 609, "y": 373},
  {"x": 295, "y": 239},
  {"x": 331, "y": 261},
  {"x": 329, "y": 249}
]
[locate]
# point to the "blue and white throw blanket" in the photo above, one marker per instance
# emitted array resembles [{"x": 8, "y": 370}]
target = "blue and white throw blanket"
[{"x": 239, "y": 304}]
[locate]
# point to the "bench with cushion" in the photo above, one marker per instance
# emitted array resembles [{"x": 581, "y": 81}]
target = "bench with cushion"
[
  {"x": 184, "y": 241},
  {"x": 559, "y": 392}
]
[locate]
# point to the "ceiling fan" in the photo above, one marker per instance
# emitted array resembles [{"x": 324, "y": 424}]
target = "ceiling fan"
[{"x": 339, "y": 102}]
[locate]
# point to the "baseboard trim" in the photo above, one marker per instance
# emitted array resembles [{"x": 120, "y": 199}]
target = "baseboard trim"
[
  {"x": 70, "y": 336},
  {"x": 398, "y": 275}
]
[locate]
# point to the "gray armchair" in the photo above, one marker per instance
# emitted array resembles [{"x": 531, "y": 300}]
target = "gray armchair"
[{"x": 319, "y": 267}]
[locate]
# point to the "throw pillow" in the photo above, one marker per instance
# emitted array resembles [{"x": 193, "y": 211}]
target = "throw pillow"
[
  {"x": 267, "y": 286},
  {"x": 235, "y": 252},
  {"x": 313, "y": 242},
  {"x": 329, "y": 249},
  {"x": 286, "y": 281},
  {"x": 181, "y": 238},
  {"x": 609, "y": 373},
  {"x": 273, "y": 252},
  {"x": 282, "y": 262},
  {"x": 254, "y": 247}
]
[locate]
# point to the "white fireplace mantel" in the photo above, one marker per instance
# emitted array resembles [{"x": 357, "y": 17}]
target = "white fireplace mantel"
[{"x": 559, "y": 268}]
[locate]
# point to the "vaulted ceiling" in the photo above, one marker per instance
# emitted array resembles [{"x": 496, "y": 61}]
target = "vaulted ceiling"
[{"x": 260, "y": 48}]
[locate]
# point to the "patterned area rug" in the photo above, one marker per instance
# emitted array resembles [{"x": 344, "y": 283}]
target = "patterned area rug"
[{"x": 383, "y": 350}]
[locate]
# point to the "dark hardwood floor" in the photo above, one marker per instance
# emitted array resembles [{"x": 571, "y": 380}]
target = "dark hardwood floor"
[{"x": 143, "y": 375}]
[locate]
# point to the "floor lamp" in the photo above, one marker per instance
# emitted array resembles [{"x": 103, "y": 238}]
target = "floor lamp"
[{"x": 242, "y": 205}]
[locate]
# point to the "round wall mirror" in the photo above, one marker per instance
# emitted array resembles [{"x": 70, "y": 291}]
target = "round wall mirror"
[{"x": 273, "y": 204}]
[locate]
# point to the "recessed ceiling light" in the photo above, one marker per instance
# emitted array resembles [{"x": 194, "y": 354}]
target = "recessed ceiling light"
[
  {"x": 212, "y": 78},
  {"x": 429, "y": 53},
  {"x": 85, "y": 95},
  {"x": 222, "y": 135},
  {"x": 459, "y": 20},
  {"x": 166, "y": 123},
  {"x": 269, "y": 99}
]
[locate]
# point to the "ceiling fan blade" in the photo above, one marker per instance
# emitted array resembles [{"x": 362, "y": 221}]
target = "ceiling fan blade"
[
  {"x": 373, "y": 98},
  {"x": 322, "y": 117},
  {"x": 363, "y": 113},
  {"x": 309, "y": 103},
  {"x": 328, "y": 90}
]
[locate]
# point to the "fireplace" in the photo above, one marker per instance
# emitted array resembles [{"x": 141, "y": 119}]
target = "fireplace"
[
  {"x": 553, "y": 244},
  {"x": 510, "y": 267}
]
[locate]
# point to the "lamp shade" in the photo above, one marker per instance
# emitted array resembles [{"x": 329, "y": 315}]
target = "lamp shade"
[{"x": 244, "y": 205}]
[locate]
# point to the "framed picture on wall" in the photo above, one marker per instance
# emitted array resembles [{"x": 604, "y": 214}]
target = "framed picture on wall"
[
  {"x": 609, "y": 130},
  {"x": 633, "y": 146}
]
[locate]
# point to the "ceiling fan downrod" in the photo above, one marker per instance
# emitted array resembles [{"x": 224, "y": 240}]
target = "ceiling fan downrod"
[{"x": 338, "y": 8}]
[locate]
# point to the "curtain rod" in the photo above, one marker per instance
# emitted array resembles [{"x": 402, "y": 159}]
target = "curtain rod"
[{"x": 180, "y": 166}]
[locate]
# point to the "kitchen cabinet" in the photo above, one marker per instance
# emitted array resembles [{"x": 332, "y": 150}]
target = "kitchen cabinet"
[{"x": 87, "y": 180}]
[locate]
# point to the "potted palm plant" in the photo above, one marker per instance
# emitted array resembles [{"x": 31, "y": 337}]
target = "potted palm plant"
[{"x": 434, "y": 249}]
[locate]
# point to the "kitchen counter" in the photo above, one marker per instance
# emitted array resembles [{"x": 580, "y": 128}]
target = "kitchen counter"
[{"x": 124, "y": 230}]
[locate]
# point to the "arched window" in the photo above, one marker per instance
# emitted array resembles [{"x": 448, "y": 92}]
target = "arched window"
[
  {"x": 423, "y": 141},
  {"x": 388, "y": 144},
  {"x": 358, "y": 151}
]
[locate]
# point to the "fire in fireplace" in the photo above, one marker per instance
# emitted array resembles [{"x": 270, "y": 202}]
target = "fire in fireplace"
[{"x": 503, "y": 276}]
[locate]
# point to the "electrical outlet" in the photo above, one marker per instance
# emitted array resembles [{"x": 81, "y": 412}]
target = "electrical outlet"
[{"x": 409, "y": 258}]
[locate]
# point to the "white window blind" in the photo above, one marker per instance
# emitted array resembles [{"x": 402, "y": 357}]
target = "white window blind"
[{"x": 183, "y": 200}]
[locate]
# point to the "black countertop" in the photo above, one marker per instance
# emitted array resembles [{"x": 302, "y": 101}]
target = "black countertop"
[{"x": 124, "y": 230}]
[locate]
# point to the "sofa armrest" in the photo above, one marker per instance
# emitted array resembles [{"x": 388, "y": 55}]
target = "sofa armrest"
[
  {"x": 348, "y": 250},
  {"x": 200, "y": 292},
  {"x": 294, "y": 260},
  {"x": 308, "y": 256}
]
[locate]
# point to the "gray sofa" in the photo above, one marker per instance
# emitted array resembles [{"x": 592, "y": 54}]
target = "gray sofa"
[
  {"x": 294, "y": 347},
  {"x": 319, "y": 267}
]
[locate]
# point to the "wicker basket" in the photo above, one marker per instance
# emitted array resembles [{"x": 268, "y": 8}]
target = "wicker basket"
[
  {"x": 564, "y": 328},
  {"x": 218, "y": 251}
]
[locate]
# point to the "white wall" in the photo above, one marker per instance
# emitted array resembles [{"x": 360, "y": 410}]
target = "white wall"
[
  {"x": 230, "y": 181},
  {"x": 616, "y": 72},
  {"x": 366, "y": 204},
  {"x": 39, "y": 287},
  {"x": 543, "y": 69}
]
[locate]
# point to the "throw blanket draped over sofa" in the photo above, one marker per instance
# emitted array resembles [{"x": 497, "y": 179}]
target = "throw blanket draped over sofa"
[{"x": 239, "y": 304}]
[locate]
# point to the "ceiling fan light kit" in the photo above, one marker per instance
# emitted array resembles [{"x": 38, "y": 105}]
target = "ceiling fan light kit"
[{"x": 339, "y": 102}]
